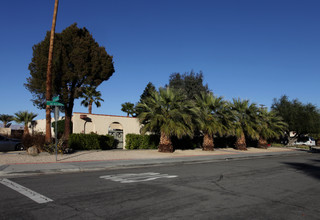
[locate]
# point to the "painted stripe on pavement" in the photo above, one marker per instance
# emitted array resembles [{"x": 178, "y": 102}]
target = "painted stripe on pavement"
[
  {"x": 25, "y": 191},
  {"x": 136, "y": 177}
]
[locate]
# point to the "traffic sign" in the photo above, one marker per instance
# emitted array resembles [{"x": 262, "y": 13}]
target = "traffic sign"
[
  {"x": 55, "y": 99},
  {"x": 54, "y": 103}
]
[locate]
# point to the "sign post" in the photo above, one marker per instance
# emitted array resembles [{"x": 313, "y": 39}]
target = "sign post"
[{"x": 56, "y": 105}]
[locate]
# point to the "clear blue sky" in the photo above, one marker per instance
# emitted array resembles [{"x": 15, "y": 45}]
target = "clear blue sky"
[{"x": 252, "y": 49}]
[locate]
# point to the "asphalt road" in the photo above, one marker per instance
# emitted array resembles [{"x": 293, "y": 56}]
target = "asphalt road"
[{"x": 284, "y": 187}]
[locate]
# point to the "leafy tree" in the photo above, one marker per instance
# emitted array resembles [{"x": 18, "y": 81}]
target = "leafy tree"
[
  {"x": 245, "y": 122},
  {"x": 90, "y": 96},
  {"x": 213, "y": 117},
  {"x": 150, "y": 88},
  {"x": 128, "y": 108},
  {"x": 60, "y": 127},
  {"x": 168, "y": 113},
  {"x": 5, "y": 119},
  {"x": 270, "y": 125},
  {"x": 24, "y": 117},
  {"x": 301, "y": 118},
  {"x": 191, "y": 84},
  {"x": 78, "y": 62}
]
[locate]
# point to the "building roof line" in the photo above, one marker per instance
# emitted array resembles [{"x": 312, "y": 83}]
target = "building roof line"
[{"x": 103, "y": 115}]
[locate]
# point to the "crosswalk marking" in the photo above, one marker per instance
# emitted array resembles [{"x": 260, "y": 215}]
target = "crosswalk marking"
[
  {"x": 136, "y": 177},
  {"x": 25, "y": 191}
]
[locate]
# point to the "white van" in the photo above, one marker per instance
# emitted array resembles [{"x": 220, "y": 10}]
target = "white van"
[{"x": 309, "y": 141}]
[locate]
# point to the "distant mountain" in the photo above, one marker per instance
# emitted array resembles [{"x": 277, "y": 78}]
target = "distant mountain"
[
  {"x": 14, "y": 127},
  {"x": 17, "y": 127}
]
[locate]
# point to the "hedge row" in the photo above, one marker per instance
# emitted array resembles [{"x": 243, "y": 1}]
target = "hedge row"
[
  {"x": 137, "y": 141},
  {"x": 91, "y": 142}
]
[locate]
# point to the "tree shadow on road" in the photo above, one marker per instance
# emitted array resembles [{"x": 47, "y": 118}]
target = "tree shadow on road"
[
  {"x": 76, "y": 155},
  {"x": 308, "y": 169}
]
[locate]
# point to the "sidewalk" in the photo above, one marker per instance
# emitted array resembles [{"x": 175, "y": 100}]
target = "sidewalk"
[{"x": 20, "y": 163}]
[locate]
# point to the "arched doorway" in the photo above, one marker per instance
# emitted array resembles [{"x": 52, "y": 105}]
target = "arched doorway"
[{"x": 116, "y": 130}]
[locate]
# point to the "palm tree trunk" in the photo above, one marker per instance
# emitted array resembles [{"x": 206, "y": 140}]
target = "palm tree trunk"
[
  {"x": 208, "y": 144},
  {"x": 90, "y": 108},
  {"x": 241, "y": 143},
  {"x": 262, "y": 143},
  {"x": 165, "y": 144},
  {"x": 49, "y": 74},
  {"x": 26, "y": 130},
  {"x": 48, "y": 124}
]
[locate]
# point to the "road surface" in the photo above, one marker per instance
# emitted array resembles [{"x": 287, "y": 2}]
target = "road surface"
[{"x": 278, "y": 187}]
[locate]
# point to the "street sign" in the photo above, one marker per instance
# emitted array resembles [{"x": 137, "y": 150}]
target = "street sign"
[
  {"x": 54, "y": 103},
  {"x": 55, "y": 99}
]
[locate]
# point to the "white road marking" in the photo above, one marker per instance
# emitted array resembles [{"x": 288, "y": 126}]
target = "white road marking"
[
  {"x": 25, "y": 191},
  {"x": 136, "y": 177}
]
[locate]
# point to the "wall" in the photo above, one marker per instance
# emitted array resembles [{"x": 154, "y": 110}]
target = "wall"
[
  {"x": 5, "y": 131},
  {"x": 100, "y": 124},
  {"x": 40, "y": 126}
]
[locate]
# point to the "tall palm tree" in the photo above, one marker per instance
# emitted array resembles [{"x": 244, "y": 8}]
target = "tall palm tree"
[
  {"x": 91, "y": 95},
  {"x": 24, "y": 117},
  {"x": 5, "y": 119},
  {"x": 168, "y": 113},
  {"x": 49, "y": 74},
  {"x": 245, "y": 122},
  {"x": 270, "y": 126},
  {"x": 213, "y": 118}
]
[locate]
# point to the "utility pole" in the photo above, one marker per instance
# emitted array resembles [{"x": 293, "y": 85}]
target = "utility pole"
[{"x": 49, "y": 74}]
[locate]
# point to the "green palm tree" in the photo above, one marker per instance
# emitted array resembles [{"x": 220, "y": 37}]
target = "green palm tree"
[
  {"x": 128, "y": 108},
  {"x": 5, "y": 119},
  {"x": 213, "y": 118},
  {"x": 168, "y": 113},
  {"x": 245, "y": 122},
  {"x": 270, "y": 126},
  {"x": 24, "y": 117},
  {"x": 91, "y": 95}
]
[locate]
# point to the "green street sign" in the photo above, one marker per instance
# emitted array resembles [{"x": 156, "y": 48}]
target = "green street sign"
[
  {"x": 54, "y": 103},
  {"x": 55, "y": 99}
]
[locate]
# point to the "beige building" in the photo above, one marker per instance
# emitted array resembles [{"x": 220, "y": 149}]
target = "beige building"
[
  {"x": 5, "y": 131},
  {"x": 39, "y": 126},
  {"x": 117, "y": 126}
]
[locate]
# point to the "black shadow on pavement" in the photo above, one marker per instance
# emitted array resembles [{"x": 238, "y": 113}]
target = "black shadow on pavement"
[{"x": 308, "y": 169}]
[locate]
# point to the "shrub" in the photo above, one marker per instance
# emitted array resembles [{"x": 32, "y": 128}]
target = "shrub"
[
  {"x": 91, "y": 141},
  {"x": 133, "y": 141},
  {"x": 225, "y": 141},
  {"x": 62, "y": 147},
  {"x": 151, "y": 141},
  {"x": 186, "y": 142},
  {"x": 37, "y": 140},
  {"x": 137, "y": 141},
  {"x": 60, "y": 126},
  {"x": 17, "y": 134}
]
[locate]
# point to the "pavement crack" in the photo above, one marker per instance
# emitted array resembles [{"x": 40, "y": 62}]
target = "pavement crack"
[
  {"x": 216, "y": 182},
  {"x": 220, "y": 178}
]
